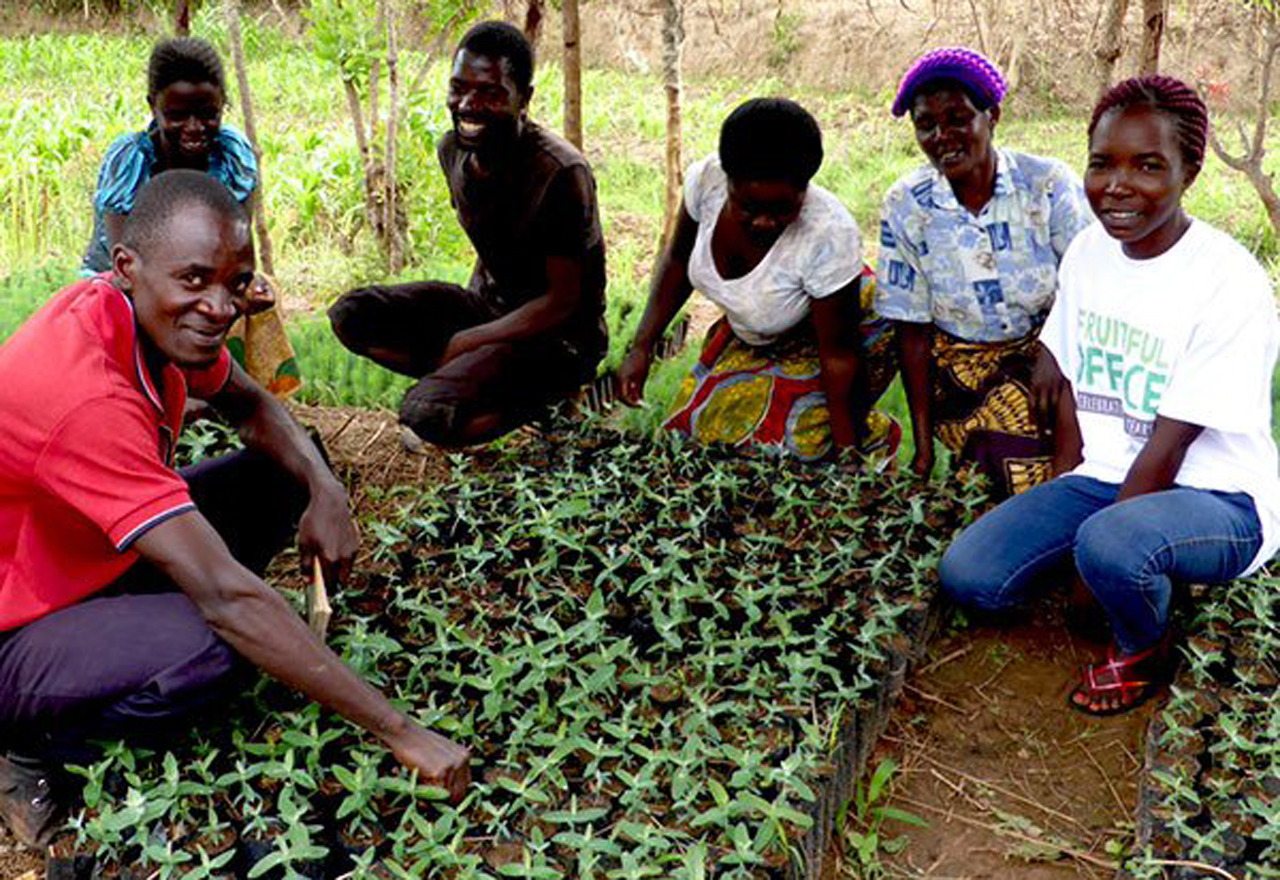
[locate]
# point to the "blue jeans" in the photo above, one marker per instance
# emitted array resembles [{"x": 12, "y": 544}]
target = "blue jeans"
[{"x": 1128, "y": 553}]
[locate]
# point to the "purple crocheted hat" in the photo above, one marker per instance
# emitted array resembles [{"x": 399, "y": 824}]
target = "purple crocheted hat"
[{"x": 969, "y": 68}]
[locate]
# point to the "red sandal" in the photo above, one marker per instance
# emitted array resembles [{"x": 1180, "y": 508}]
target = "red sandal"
[{"x": 1131, "y": 677}]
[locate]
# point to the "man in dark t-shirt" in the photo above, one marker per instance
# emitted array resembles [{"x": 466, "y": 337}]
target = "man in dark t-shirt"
[{"x": 529, "y": 328}]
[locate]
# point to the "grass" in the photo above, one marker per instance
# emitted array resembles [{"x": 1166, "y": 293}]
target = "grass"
[{"x": 62, "y": 103}]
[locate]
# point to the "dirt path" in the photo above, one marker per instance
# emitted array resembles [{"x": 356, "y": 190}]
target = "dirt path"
[{"x": 1012, "y": 781}]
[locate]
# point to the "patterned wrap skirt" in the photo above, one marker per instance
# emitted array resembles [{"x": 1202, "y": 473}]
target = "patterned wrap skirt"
[
  {"x": 982, "y": 410},
  {"x": 769, "y": 398}
]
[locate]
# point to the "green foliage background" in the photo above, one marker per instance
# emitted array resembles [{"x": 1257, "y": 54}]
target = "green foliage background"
[{"x": 64, "y": 97}]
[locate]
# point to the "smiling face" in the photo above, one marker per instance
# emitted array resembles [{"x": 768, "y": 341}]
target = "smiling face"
[
  {"x": 1136, "y": 178},
  {"x": 486, "y": 105},
  {"x": 953, "y": 134},
  {"x": 764, "y": 208},
  {"x": 188, "y": 116},
  {"x": 190, "y": 285}
]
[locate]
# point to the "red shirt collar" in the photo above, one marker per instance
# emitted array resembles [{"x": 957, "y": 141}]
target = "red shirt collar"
[{"x": 168, "y": 400}]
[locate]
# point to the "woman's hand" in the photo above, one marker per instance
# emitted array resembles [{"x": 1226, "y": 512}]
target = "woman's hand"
[
  {"x": 632, "y": 375},
  {"x": 922, "y": 461},
  {"x": 1046, "y": 386},
  {"x": 261, "y": 295}
]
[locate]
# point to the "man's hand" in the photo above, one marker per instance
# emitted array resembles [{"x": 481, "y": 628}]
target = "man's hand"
[
  {"x": 260, "y": 625},
  {"x": 632, "y": 375},
  {"x": 459, "y": 343},
  {"x": 327, "y": 531},
  {"x": 439, "y": 761}
]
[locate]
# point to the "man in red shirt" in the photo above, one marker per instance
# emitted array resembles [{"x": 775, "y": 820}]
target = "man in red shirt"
[{"x": 130, "y": 592}]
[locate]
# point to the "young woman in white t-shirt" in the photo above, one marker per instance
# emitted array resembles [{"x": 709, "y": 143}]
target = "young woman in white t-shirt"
[
  {"x": 1164, "y": 338},
  {"x": 792, "y": 365}
]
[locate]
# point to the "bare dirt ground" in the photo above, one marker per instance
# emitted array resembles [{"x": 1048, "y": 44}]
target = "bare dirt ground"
[
  {"x": 1012, "y": 781},
  {"x": 16, "y": 862}
]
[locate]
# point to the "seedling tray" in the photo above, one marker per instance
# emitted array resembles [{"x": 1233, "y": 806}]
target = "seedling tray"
[
  {"x": 1210, "y": 790},
  {"x": 669, "y": 661}
]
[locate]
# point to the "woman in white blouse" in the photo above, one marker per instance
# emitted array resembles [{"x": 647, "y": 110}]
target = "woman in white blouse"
[{"x": 792, "y": 366}]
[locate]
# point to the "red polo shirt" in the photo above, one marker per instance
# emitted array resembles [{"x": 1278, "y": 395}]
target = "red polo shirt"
[{"x": 86, "y": 449}]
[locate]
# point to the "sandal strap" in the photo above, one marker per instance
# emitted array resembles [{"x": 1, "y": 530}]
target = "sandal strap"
[
  {"x": 1110, "y": 676},
  {"x": 1114, "y": 655}
]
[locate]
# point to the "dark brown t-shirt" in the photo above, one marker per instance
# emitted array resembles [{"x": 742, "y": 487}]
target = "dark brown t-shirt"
[{"x": 541, "y": 204}]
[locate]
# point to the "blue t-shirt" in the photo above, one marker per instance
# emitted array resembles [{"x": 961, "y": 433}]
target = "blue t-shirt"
[{"x": 131, "y": 161}]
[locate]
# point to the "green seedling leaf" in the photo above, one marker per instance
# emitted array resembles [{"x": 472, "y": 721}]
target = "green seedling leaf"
[{"x": 896, "y": 815}]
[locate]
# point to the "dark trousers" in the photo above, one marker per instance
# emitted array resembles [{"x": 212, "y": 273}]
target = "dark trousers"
[
  {"x": 134, "y": 659},
  {"x": 406, "y": 327}
]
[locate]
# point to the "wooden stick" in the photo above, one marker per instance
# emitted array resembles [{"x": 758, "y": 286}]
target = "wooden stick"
[
  {"x": 925, "y": 695},
  {"x": 318, "y": 608},
  {"x": 999, "y": 789},
  {"x": 954, "y": 655},
  {"x": 251, "y": 132},
  {"x": 1199, "y": 866},
  {"x": 1124, "y": 808}
]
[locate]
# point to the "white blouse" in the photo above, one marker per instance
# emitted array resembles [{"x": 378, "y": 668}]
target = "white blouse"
[{"x": 818, "y": 254}]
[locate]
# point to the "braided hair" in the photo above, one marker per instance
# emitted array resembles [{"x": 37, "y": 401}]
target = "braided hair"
[
  {"x": 183, "y": 59},
  {"x": 1170, "y": 96}
]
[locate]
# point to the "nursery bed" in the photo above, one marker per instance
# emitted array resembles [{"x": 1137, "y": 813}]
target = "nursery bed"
[{"x": 669, "y": 662}]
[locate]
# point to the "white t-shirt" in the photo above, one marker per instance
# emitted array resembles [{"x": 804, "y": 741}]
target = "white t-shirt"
[
  {"x": 1190, "y": 335},
  {"x": 818, "y": 254}
]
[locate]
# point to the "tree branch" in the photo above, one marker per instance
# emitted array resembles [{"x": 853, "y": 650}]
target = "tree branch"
[
  {"x": 1264, "y": 100},
  {"x": 1235, "y": 163},
  {"x": 437, "y": 46}
]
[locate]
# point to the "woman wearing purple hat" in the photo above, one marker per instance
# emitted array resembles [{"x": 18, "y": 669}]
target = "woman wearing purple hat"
[{"x": 969, "y": 252}]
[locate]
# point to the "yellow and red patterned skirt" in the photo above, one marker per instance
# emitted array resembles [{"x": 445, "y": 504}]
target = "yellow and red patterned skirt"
[{"x": 770, "y": 398}]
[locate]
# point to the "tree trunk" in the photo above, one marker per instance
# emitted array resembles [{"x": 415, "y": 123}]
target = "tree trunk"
[
  {"x": 1152, "y": 35},
  {"x": 395, "y": 230},
  {"x": 375, "y": 77},
  {"x": 372, "y": 198},
  {"x": 982, "y": 27},
  {"x": 182, "y": 18},
  {"x": 1110, "y": 42},
  {"x": 672, "y": 54},
  {"x": 572, "y": 74},
  {"x": 533, "y": 21},
  {"x": 1022, "y": 16},
  {"x": 251, "y": 132}
]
